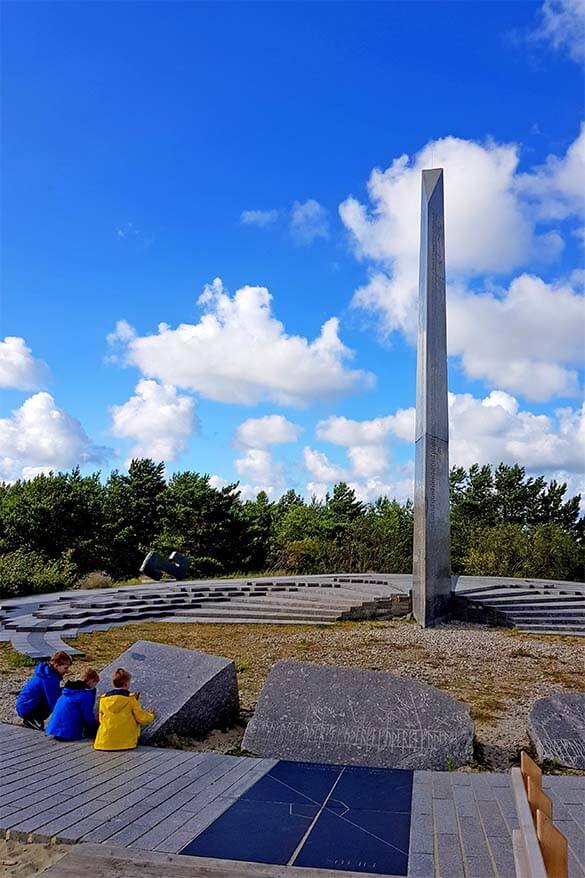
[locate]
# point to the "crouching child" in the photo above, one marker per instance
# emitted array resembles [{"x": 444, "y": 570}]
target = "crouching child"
[
  {"x": 120, "y": 715},
  {"x": 73, "y": 717},
  {"x": 39, "y": 695}
]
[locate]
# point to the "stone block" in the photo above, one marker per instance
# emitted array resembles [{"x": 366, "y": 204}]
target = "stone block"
[
  {"x": 191, "y": 692},
  {"x": 335, "y": 715},
  {"x": 557, "y": 728}
]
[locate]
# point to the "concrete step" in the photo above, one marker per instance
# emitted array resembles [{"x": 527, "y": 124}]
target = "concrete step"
[
  {"x": 265, "y": 605},
  {"x": 499, "y": 591},
  {"x": 544, "y": 628},
  {"x": 313, "y": 600},
  {"x": 533, "y": 598},
  {"x": 541, "y": 610},
  {"x": 174, "y": 597},
  {"x": 260, "y": 614},
  {"x": 550, "y": 618}
]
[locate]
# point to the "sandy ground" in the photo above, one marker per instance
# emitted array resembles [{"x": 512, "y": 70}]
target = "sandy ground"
[
  {"x": 19, "y": 860},
  {"x": 498, "y": 672}
]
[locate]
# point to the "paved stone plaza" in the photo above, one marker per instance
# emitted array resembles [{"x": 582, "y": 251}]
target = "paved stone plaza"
[
  {"x": 160, "y": 800},
  {"x": 36, "y": 625}
]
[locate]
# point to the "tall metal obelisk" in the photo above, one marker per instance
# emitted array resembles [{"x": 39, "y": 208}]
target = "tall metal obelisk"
[{"x": 431, "y": 591}]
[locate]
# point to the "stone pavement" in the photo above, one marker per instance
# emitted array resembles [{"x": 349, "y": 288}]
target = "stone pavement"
[
  {"x": 35, "y": 625},
  {"x": 154, "y": 799}
]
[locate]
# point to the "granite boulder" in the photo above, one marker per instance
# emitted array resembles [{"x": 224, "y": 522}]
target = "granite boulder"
[
  {"x": 557, "y": 728},
  {"x": 191, "y": 692},
  {"x": 316, "y": 713}
]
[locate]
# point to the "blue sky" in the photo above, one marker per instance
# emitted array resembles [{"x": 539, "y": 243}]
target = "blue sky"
[{"x": 150, "y": 148}]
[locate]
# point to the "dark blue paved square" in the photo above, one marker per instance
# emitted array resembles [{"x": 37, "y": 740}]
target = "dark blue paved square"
[
  {"x": 257, "y": 832},
  {"x": 358, "y": 841},
  {"x": 318, "y": 816},
  {"x": 375, "y": 789},
  {"x": 295, "y": 782}
]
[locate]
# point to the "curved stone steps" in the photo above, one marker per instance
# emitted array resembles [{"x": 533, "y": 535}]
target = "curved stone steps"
[
  {"x": 541, "y": 608},
  {"x": 34, "y": 626}
]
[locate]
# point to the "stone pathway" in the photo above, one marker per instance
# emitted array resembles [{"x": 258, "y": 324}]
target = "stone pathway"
[{"x": 160, "y": 800}]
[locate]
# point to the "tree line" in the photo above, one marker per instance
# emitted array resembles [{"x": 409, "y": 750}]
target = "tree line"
[{"x": 58, "y": 529}]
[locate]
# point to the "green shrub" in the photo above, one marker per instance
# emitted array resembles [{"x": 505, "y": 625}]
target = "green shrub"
[
  {"x": 302, "y": 556},
  {"x": 205, "y": 567},
  {"x": 23, "y": 572}
]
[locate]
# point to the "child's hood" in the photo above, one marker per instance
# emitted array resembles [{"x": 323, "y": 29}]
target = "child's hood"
[
  {"x": 116, "y": 703},
  {"x": 44, "y": 669},
  {"x": 75, "y": 689}
]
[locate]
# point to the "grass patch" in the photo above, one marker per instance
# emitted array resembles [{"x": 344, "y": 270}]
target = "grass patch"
[
  {"x": 488, "y": 709},
  {"x": 11, "y": 661}
]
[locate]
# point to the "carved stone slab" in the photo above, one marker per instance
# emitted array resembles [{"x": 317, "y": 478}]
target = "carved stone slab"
[
  {"x": 316, "y": 713},
  {"x": 191, "y": 692},
  {"x": 557, "y": 728}
]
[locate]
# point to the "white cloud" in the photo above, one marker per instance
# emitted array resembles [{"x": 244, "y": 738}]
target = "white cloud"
[
  {"x": 123, "y": 332},
  {"x": 563, "y": 26},
  {"x": 121, "y": 335},
  {"x": 368, "y": 461},
  {"x": 40, "y": 436},
  {"x": 495, "y": 429},
  {"x": 263, "y": 472},
  {"x": 321, "y": 468},
  {"x": 557, "y": 187},
  {"x": 157, "y": 418},
  {"x": 269, "y": 430},
  {"x": 260, "y": 218},
  {"x": 488, "y": 430},
  {"x": 248, "y": 491},
  {"x": 126, "y": 230},
  {"x": 344, "y": 431},
  {"x": 240, "y": 353},
  {"x": 308, "y": 221},
  {"x": 524, "y": 340},
  {"x": 18, "y": 368},
  {"x": 258, "y": 465},
  {"x": 487, "y": 229},
  {"x": 218, "y": 482},
  {"x": 368, "y": 490},
  {"x": 317, "y": 490},
  {"x": 492, "y": 216}
]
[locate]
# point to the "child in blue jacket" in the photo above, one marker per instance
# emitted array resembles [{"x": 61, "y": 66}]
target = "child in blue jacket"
[
  {"x": 73, "y": 717},
  {"x": 39, "y": 695}
]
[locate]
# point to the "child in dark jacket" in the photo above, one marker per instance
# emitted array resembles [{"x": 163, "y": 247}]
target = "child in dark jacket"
[
  {"x": 73, "y": 717},
  {"x": 39, "y": 695}
]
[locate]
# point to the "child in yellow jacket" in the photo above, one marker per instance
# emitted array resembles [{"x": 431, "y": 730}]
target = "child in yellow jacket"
[{"x": 120, "y": 715}]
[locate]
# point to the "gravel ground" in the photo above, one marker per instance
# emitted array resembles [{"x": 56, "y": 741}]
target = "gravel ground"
[{"x": 499, "y": 673}]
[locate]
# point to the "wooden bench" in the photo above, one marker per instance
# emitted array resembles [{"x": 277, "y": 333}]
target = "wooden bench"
[{"x": 540, "y": 849}]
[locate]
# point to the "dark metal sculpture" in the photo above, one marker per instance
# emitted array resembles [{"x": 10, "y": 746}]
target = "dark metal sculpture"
[{"x": 176, "y": 565}]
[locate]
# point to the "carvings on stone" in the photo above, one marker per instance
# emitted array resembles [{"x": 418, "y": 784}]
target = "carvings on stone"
[
  {"x": 342, "y": 715},
  {"x": 557, "y": 728}
]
